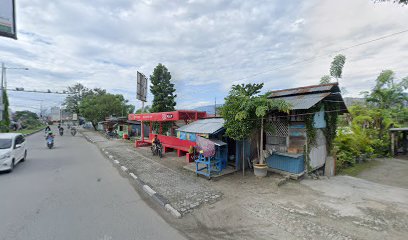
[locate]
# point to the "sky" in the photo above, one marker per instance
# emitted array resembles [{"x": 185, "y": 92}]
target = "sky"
[{"x": 207, "y": 45}]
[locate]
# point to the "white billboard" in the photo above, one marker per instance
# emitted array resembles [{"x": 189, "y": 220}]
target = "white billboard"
[
  {"x": 141, "y": 91},
  {"x": 8, "y": 19}
]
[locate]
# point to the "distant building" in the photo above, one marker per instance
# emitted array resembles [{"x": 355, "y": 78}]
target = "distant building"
[{"x": 55, "y": 114}]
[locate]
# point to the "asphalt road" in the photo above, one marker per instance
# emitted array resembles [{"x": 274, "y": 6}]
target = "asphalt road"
[{"x": 73, "y": 192}]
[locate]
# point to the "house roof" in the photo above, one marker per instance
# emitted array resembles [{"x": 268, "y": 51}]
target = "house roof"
[
  {"x": 304, "y": 101},
  {"x": 205, "y": 126},
  {"x": 330, "y": 87},
  {"x": 303, "y": 98}
]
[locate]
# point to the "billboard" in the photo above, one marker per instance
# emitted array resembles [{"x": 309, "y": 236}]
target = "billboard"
[
  {"x": 141, "y": 91},
  {"x": 8, "y": 19}
]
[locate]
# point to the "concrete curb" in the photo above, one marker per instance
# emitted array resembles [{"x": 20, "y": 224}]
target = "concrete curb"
[{"x": 158, "y": 198}]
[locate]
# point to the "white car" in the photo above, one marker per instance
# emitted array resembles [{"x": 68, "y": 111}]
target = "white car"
[{"x": 12, "y": 150}]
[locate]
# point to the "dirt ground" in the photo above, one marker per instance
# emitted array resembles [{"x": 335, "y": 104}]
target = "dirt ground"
[
  {"x": 373, "y": 205},
  {"x": 389, "y": 171},
  {"x": 341, "y": 207}
]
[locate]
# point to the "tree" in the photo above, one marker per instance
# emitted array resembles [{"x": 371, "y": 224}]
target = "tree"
[
  {"x": 162, "y": 89},
  {"x": 146, "y": 109},
  {"x": 5, "y": 123},
  {"x": 97, "y": 107},
  {"x": 387, "y": 93},
  {"x": 336, "y": 68},
  {"x": 27, "y": 119},
  {"x": 76, "y": 93},
  {"x": 245, "y": 109},
  {"x": 325, "y": 79}
]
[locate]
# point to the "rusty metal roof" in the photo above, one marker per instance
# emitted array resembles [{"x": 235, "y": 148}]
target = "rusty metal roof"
[
  {"x": 305, "y": 101},
  {"x": 330, "y": 87}
]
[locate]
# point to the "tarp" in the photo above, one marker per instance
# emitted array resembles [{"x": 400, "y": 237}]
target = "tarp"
[{"x": 205, "y": 145}]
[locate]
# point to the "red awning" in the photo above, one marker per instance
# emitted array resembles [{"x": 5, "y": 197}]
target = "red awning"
[{"x": 168, "y": 116}]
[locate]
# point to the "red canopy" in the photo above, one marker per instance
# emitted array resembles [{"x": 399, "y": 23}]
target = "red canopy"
[{"x": 168, "y": 116}]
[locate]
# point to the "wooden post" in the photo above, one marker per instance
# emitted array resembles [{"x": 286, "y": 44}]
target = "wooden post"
[
  {"x": 161, "y": 129},
  {"x": 243, "y": 158},
  {"x": 392, "y": 144},
  {"x": 261, "y": 160}
]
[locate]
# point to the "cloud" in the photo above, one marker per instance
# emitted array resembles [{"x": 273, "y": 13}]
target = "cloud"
[{"x": 206, "y": 45}]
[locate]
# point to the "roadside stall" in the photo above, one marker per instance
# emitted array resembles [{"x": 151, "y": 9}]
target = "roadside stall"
[
  {"x": 287, "y": 146},
  {"x": 211, "y": 151},
  {"x": 174, "y": 119}
]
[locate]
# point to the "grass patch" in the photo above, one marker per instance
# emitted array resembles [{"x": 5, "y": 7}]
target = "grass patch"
[
  {"x": 359, "y": 167},
  {"x": 28, "y": 131}
]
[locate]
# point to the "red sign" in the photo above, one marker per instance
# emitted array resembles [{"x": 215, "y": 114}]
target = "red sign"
[{"x": 168, "y": 116}]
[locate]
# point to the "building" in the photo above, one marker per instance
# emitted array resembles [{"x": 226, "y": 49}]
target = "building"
[
  {"x": 55, "y": 114},
  {"x": 312, "y": 106}
]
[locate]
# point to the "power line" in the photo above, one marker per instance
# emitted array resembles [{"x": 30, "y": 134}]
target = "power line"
[{"x": 321, "y": 55}]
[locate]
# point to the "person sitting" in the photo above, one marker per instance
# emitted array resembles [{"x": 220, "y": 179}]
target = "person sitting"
[{"x": 156, "y": 140}]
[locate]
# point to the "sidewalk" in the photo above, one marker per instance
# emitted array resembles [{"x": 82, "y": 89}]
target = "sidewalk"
[{"x": 183, "y": 191}]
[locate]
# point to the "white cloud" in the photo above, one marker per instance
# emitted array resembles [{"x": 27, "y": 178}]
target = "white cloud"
[{"x": 207, "y": 45}]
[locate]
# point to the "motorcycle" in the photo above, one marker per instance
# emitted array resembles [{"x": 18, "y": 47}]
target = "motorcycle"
[
  {"x": 157, "y": 149},
  {"x": 50, "y": 142},
  {"x": 61, "y": 131},
  {"x": 73, "y": 131}
]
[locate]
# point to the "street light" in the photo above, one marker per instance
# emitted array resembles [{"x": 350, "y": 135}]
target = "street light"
[{"x": 4, "y": 83}]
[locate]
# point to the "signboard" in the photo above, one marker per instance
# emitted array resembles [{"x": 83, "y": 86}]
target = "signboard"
[
  {"x": 74, "y": 117},
  {"x": 141, "y": 91},
  {"x": 8, "y": 19}
]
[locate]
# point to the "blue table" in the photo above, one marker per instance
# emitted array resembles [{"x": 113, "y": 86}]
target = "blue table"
[{"x": 211, "y": 165}]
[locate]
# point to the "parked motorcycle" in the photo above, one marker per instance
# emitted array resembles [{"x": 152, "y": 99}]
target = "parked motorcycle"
[
  {"x": 73, "y": 131},
  {"x": 157, "y": 149}
]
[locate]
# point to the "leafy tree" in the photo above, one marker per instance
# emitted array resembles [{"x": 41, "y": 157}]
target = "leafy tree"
[
  {"x": 76, "y": 93},
  {"x": 96, "y": 107},
  {"x": 5, "y": 123},
  {"x": 244, "y": 110},
  {"x": 325, "y": 79},
  {"x": 25, "y": 114},
  {"x": 336, "y": 68},
  {"x": 146, "y": 109},
  {"x": 162, "y": 89},
  {"x": 28, "y": 119},
  {"x": 387, "y": 93}
]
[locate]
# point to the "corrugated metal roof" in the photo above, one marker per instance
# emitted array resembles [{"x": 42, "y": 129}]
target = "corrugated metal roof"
[
  {"x": 218, "y": 142},
  {"x": 304, "y": 101},
  {"x": 206, "y": 126},
  {"x": 303, "y": 90}
]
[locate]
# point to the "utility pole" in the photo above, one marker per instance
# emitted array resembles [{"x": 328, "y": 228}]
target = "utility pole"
[{"x": 1, "y": 92}]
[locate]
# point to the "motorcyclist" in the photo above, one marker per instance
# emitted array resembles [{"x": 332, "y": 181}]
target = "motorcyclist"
[
  {"x": 61, "y": 130},
  {"x": 47, "y": 129},
  {"x": 49, "y": 135},
  {"x": 156, "y": 141}
]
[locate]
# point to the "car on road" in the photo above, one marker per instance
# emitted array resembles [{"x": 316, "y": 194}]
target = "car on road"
[{"x": 12, "y": 150}]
